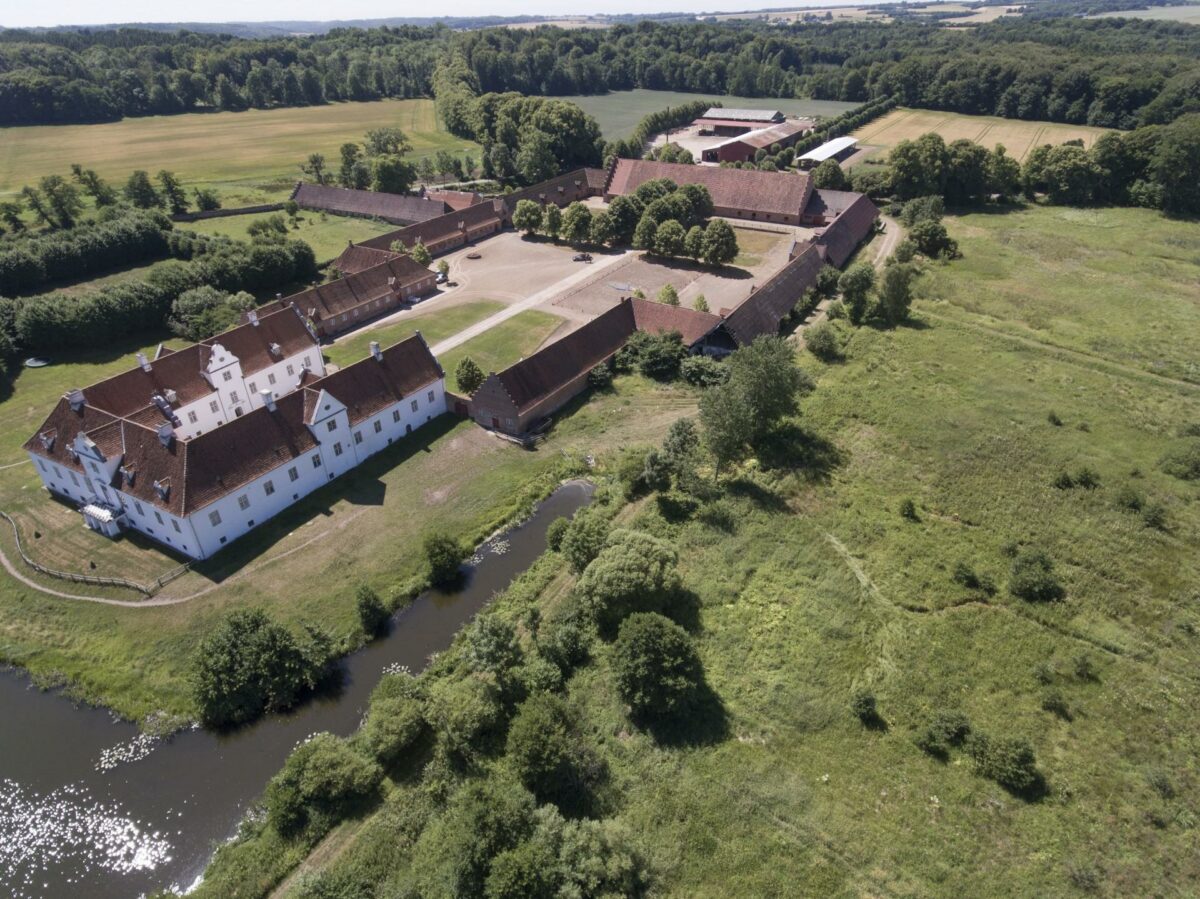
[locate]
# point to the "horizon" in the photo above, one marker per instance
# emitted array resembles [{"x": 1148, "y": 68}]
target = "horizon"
[{"x": 76, "y": 13}]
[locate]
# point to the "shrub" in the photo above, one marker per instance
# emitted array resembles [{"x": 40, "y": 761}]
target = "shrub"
[
  {"x": 908, "y": 510},
  {"x": 600, "y": 377},
  {"x": 1130, "y": 499},
  {"x": 1053, "y": 418},
  {"x": 1087, "y": 478},
  {"x": 1063, "y": 481},
  {"x": 540, "y": 675},
  {"x": 249, "y": 664},
  {"x": 668, "y": 295},
  {"x": 862, "y": 705},
  {"x": 656, "y": 666},
  {"x": 583, "y": 539},
  {"x": 703, "y": 371},
  {"x": 1009, "y": 761},
  {"x": 555, "y": 533},
  {"x": 1085, "y": 668},
  {"x": 394, "y": 723},
  {"x": 565, "y": 636},
  {"x": 322, "y": 779},
  {"x": 836, "y": 311},
  {"x": 947, "y": 729},
  {"x": 634, "y": 572},
  {"x": 492, "y": 646},
  {"x": 1056, "y": 704},
  {"x": 822, "y": 341},
  {"x": 1033, "y": 578},
  {"x": 1155, "y": 516},
  {"x": 443, "y": 554},
  {"x": 466, "y": 713},
  {"x": 1184, "y": 462},
  {"x": 546, "y": 752},
  {"x": 372, "y": 613}
]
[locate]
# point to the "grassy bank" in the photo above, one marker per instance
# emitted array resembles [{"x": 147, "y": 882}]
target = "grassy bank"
[
  {"x": 250, "y": 157},
  {"x": 326, "y": 234},
  {"x": 808, "y": 583}
]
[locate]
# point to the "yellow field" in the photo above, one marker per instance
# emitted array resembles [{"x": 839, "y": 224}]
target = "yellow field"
[
  {"x": 838, "y": 13},
  {"x": 251, "y": 155},
  {"x": 1189, "y": 14},
  {"x": 1017, "y": 136}
]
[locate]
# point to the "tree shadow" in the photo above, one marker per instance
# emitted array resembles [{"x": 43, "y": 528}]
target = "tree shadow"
[
  {"x": 705, "y": 723},
  {"x": 678, "y": 263},
  {"x": 765, "y": 499},
  {"x": 794, "y": 449}
]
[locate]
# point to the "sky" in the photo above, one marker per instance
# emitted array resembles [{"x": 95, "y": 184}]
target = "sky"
[{"x": 23, "y": 13}]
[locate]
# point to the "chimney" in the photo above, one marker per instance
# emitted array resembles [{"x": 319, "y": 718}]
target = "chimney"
[
  {"x": 76, "y": 399},
  {"x": 252, "y": 317},
  {"x": 375, "y": 351},
  {"x": 143, "y": 361},
  {"x": 268, "y": 398},
  {"x": 166, "y": 434}
]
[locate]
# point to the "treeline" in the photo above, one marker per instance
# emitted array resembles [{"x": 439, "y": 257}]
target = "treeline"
[
  {"x": 528, "y": 139},
  {"x": 1108, "y": 72},
  {"x": 129, "y": 238},
  {"x": 656, "y": 123},
  {"x": 58, "y": 77},
  {"x": 1152, "y": 167},
  {"x": 54, "y": 322}
]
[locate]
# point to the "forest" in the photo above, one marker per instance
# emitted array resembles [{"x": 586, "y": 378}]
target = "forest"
[{"x": 1107, "y": 72}]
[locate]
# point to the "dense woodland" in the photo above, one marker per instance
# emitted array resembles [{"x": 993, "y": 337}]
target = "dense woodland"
[{"x": 1109, "y": 72}]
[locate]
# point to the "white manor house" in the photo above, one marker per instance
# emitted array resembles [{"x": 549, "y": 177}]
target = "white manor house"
[{"x": 199, "y": 445}]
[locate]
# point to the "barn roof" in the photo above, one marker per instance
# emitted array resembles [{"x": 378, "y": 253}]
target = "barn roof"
[
  {"x": 554, "y": 366},
  {"x": 659, "y": 318},
  {"x": 342, "y": 295},
  {"x": 743, "y": 115},
  {"x": 356, "y": 258},
  {"x": 762, "y": 311},
  {"x": 775, "y": 193},
  {"x": 396, "y": 208},
  {"x": 765, "y": 137},
  {"x": 838, "y": 241},
  {"x": 371, "y": 385}
]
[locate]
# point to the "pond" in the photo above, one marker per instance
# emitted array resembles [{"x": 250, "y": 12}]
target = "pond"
[{"x": 90, "y": 807}]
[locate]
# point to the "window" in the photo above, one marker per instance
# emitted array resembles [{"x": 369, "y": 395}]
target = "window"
[
  {"x": 307, "y": 361},
  {"x": 233, "y": 396},
  {"x": 316, "y": 461},
  {"x": 332, "y": 426},
  {"x": 214, "y": 518},
  {"x": 291, "y": 370},
  {"x": 270, "y": 378},
  {"x": 139, "y": 508},
  {"x": 378, "y": 426},
  {"x": 253, "y": 386},
  {"x": 175, "y": 524},
  {"x": 293, "y": 474},
  {"x": 193, "y": 417},
  {"x": 396, "y": 415},
  {"x": 337, "y": 448},
  {"x": 243, "y": 502},
  {"x": 213, "y": 407},
  {"x": 57, "y": 472},
  {"x": 41, "y": 465},
  {"x": 414, "y": 405},
  {"x": 95, "y": 467},
  {"x": 358, "y": 436},
  {"x": 269, "y": 488},
  {"x": 158, "y": 517},
  {"x": 74, "y": 480},
  {"x": 227, "y": 376},
  {"x": 430, "y": 397}
]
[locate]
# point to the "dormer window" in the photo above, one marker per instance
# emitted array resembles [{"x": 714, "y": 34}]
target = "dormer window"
[
  {"x": 47, "y": 438},
  {"x": 276, "y": 349},
  {"x": 163, "y": 489},
  {"x": 129, "y": 473}
]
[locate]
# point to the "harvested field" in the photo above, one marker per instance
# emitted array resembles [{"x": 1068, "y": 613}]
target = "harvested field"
[{"x": 1018, "y": 136}]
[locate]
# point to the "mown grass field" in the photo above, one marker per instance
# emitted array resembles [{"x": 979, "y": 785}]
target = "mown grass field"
[
  {"x": 809, "y": 584},
  {"x": 499, "y": 347},
  {"x": 250, "y": 157},
  {"x": 1017, "y": 136},
  {"x": 619, "y": 112},
  {"x": 434, "y": 325},
  {"x": 326, "y": 234},
  {"x": 1189, "y": 14}
]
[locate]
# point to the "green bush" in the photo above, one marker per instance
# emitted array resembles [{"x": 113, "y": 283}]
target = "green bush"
[
  {"x": 443, "y": 554},
  {"x": 372, "y": 613},
  {"x": 863, "y": 706},
  {"x": 703, "y": 371},
  {"x": 394, "y": 724},
  {"x": 1184, "y": 462},
  {"x": 908, "y": 510},
  {"x": 600, "y": 377},
  {"x": 491, "y": 646},
  {"x": 565, "y": 636},
  {"x": 466, "y": 713},
  {"x": 1009, "y": 761},
  {"x": 320, "y": 783},
  {"x": 635, "y": 572},
  {"x": 823, "y": 342},
  {"x": 584, "y": 539},
  {"x": 1087, "y": 478},
  {"x": 546, "y": 751},
  {"x": 1155, "y": 516},
  {"x": 1033, "y": 578},
  {"x": 249, "y": 665},
  {"x": 541, "y": 675},
  {"x": 555, "y": 533},
  {"x": 948, "y": 728},
  {"x": 657, "y": 669}
]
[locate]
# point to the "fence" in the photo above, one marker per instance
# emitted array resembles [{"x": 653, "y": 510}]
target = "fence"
[
  {"x": 97, "y": 580},
  {"x": 221, "y": 213}
]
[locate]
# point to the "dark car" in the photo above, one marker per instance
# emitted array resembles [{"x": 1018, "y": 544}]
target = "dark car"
[{"x": 582, "y": 257}]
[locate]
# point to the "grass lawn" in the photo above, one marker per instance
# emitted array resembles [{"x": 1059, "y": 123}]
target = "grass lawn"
[
  {"x": 326, "y": 234},
  {"x": 1017, "y": 136},
  {"x": 619, "y": 112},
  {"x": 508, "y": 342},
  {"x": 250, "y": 157},
  {"x": 434, "y": 324},
  {"x": 808, "y": 583},
  {"x": 753, "y": 244}
]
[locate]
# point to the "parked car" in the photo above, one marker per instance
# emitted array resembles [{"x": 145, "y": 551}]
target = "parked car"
[
  {"x": 475, "y": 255},
  {"x": 582, "y": 257},
  {"x": 442, "y": 278}
]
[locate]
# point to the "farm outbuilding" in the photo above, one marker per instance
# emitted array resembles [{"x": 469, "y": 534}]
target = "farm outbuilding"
[
  {"x": 732, "y": 122},
  {"x": 744, "y": 147},
  {"x": 838, "y": 149}
]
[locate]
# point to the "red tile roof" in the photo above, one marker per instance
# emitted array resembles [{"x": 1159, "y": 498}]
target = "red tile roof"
[
  {"x": 356, "y": 258},
  {"x": 276, "y": 336},
  {"x": 659, "y": 318},
  {"x": 397, "y": 208},
  {"x": 328, "y": 300},
  {"x": 556, "y": 365},
  {"x": 773, "y": 193},
  {"x": 839, "y": 239},
  {"x": 762, "y": 311},
  {"x": 371, "y": 385},
  {"x": 435, "y": 230},
  {"x": 455, "y": 199},
  {"x": 60, "y": 429}
]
